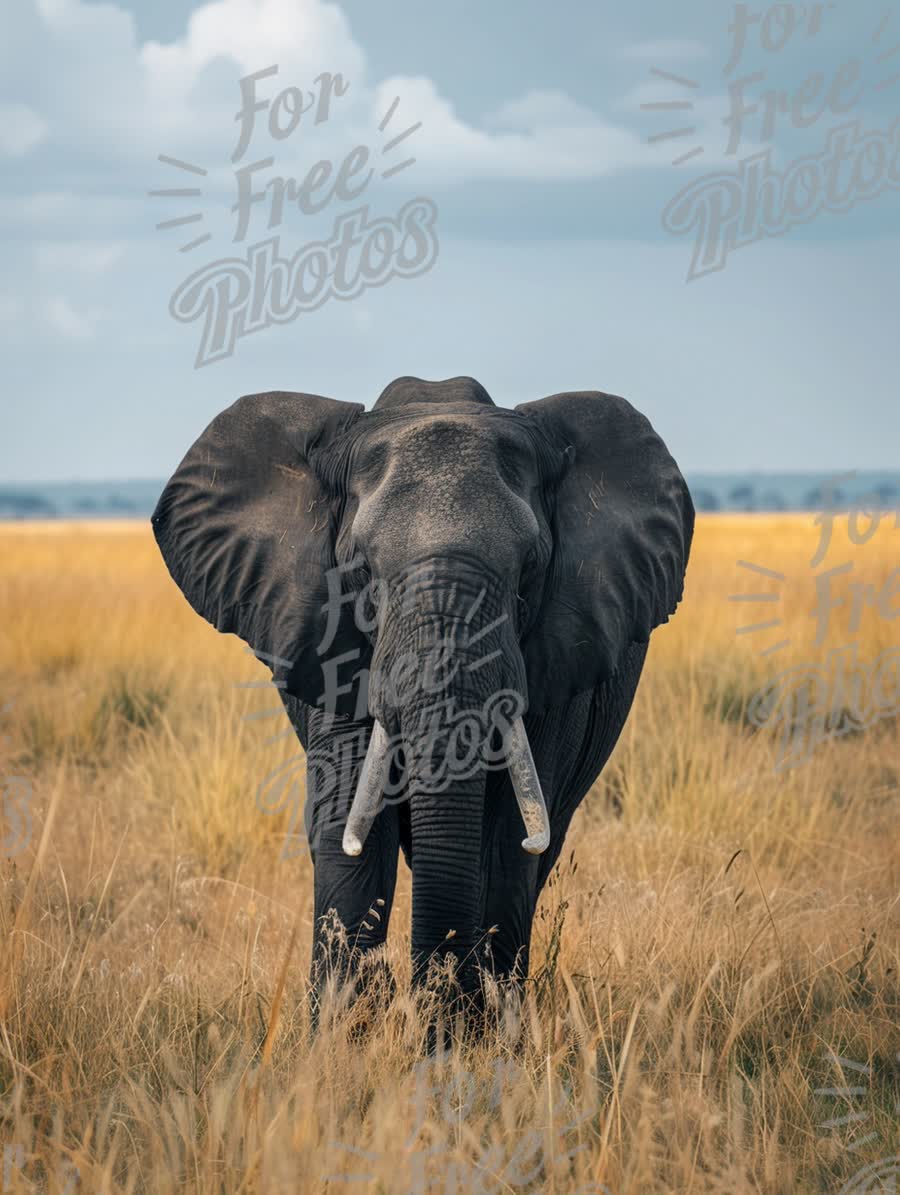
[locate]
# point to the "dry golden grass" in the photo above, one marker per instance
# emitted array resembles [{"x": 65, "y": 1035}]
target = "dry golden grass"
[{"x": 697, "y": 969}]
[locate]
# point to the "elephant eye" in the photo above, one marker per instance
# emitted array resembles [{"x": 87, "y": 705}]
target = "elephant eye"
[{"x": 369, "y": 465}]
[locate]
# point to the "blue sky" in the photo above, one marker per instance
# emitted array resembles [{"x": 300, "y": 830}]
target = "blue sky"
[{"x": 554, "y": 270}]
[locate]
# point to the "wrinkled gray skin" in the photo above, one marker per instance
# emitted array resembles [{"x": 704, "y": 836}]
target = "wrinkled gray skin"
[{"x": 552, "y": 539}]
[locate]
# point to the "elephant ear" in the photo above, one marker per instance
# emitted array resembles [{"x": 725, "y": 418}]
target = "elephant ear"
[
  {"x": 624, "y": 520},
  {"x": 245, "y": 528}
]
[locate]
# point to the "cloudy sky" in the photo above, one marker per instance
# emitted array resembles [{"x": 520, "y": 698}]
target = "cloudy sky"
[{"x": 560, "y": 264}]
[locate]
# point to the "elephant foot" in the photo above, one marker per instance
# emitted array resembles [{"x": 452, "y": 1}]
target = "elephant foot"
[
  {"x": 470, "y": 1007},
  {"x": 355, "y": 996},
  {"x": 349, "y": 982}
]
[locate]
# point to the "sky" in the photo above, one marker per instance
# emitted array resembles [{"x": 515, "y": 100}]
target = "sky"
[{"x": 473, "y": 189}]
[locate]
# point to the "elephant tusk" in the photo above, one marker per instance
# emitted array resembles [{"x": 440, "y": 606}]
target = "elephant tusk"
[
  {"x": 527, "y": 788},
  {"x": 367, "y": 800}
]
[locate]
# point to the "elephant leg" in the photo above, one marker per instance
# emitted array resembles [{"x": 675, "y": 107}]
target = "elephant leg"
[
  {"x": 352, "y": 905},
  {"x": 352, "y": 897},
  {"x": 510, "y": 889},
  {"x": 558, "y": 741},
  {"x": 571, "y": 745}
]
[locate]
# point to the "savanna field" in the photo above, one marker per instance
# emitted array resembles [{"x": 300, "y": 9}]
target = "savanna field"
[{"x": 714, "y": 997}]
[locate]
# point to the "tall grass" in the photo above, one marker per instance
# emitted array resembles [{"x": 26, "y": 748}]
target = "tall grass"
[{"x": 714, "y": 996}]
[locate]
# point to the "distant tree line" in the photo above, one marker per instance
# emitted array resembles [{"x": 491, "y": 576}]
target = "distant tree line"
[{"x": 884, "y": 495}]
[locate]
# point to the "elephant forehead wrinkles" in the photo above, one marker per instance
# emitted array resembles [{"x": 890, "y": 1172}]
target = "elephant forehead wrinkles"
[
  {"x": 451, "y": 444},
  {"x": 442, "y": 486}
]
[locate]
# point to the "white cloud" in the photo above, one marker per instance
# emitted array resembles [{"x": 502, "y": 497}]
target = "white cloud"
[
  {"x": 540, "y": 108},
  {"x": 302, "y": 36},
  {"x": 110, "y": 90},
  {"x": 180, "y": 98},
  {"x": 21, "y": 129},
  {"x": 663, "y": 50},
  {"x": 66, "y": 321},
  {"x": 551, "y": 138},
  {"x": 705, "y": 117}
]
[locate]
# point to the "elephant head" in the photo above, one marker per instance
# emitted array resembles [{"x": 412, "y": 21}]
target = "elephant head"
[{"x": 447, "y": 552}]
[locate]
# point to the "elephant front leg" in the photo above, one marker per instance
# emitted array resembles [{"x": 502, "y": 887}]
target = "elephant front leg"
[
  {"x": 571, "y": 744},
  {"x": 353, "y": 897},
  {"x": 510, "y": 891},
  {"x": 352, "y": 906}
]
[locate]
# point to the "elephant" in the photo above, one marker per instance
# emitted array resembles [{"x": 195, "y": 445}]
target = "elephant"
[{"x": 511, "y": 563}]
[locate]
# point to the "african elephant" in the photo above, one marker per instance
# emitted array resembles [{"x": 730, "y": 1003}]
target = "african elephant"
[{"x": 436, "y": 544}]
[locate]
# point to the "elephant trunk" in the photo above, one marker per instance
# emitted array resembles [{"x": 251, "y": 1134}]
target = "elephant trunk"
[
  {"x": 446, "y": 885},
  {"x": 448, "y": 681},
  {"x": 446, "y": 736}
]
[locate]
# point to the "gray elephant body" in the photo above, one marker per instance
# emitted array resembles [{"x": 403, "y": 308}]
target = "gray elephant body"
[
  {"x": 570, "y": 743},
  {"x": 527, "y": 553}
]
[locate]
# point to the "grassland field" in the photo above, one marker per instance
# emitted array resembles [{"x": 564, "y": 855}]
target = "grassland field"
[{"x": 713, "y": 1006}]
